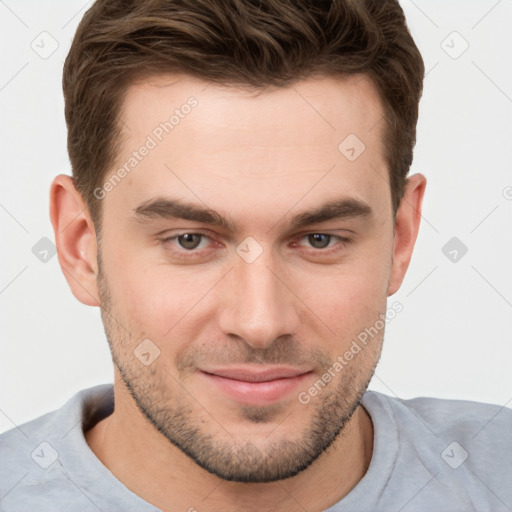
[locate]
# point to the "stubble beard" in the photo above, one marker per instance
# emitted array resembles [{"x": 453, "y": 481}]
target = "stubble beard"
[{"x": 189, "y": 427}]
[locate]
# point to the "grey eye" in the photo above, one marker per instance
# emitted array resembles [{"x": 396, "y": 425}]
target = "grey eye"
[
  {"x": 189, "y": 240},
  {"x": 319, "y": 240}
]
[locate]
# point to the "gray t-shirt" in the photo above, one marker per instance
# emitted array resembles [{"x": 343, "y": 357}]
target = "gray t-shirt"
[{"x": 429, "y": 455}]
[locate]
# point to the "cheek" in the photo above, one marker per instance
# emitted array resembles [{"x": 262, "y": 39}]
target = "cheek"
[
  {"x": 152, "y": 303},
  {"x": 348, "y": 303},
  {"x": 161, "y": 302},
  {"x": 141, "y": 299},
  {"x": 348, "y": 298}
]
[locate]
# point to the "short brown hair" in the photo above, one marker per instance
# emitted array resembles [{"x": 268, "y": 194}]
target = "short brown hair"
[{"x": 256, "y": 43}]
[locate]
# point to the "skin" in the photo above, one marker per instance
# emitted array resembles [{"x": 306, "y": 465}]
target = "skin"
[{"x": 176, "y": 439}]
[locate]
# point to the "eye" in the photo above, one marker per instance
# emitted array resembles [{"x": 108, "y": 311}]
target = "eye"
[
  {"x": 319, "y": 240},
  {"x": 187, "y": 243},
  {"x": 322, "y": 241},
  {"x": 197, "y": 245},
  {"x": 189, "y": 240}
]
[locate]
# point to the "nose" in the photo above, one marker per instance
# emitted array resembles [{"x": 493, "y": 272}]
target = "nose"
[{"x": 258, "y": 305}]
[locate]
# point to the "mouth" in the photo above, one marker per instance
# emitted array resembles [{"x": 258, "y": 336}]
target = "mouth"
[{"x": 253, "y": 385}]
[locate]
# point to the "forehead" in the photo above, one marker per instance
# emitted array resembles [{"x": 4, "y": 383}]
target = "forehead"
[
  {"x": 325, "y": 108},
  {"x": 224, "y": 145}
]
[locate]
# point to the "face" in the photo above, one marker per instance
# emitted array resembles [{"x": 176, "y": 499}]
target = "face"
[{"x": 242, "y": 253}]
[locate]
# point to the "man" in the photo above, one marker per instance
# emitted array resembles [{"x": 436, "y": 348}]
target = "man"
[{"x": 240, "y": 212}]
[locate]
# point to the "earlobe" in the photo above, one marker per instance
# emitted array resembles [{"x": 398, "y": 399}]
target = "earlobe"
[
  {"x": 75, "y": 238},
  {"x": 406, "y": 230}
]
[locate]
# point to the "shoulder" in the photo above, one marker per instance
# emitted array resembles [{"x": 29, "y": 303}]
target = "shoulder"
[
  {"x": 55, "y": 423},
  {"x": 462, "y": 448},
  {"x": 446, "y": 416},
  {"x": 476, "y": 434},
  {"x": 33, "y": 454},
  {"x": 20, "y": 441}
]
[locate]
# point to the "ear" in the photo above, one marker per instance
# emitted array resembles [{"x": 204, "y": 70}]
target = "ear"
[
  {"x": 75, "y": 237},
  {"x": 406, "y": 230}
]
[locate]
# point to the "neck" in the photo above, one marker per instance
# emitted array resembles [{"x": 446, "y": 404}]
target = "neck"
[{"x": 157, "y": 471}]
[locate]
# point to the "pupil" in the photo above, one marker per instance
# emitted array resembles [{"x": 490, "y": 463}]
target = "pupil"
[
  {"x": 189, "y": 240},
  {"x": 319, "y": 241}
]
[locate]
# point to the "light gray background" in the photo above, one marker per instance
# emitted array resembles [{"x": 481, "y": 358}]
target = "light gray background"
[{"x": 453, "y": 337}]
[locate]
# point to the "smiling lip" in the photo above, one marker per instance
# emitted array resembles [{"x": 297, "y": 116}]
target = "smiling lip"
[{"x": 256, "y": 386}]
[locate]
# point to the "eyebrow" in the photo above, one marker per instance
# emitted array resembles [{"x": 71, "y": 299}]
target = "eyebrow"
[{"x": 167, "y": 208}]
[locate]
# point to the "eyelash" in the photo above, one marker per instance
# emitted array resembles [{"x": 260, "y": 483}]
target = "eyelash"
[{"x": 192, "y": 253}]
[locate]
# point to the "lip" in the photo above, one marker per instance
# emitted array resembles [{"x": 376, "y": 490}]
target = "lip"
[{"x": 256, "y": 386}]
